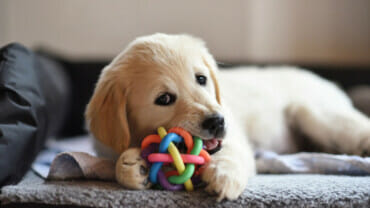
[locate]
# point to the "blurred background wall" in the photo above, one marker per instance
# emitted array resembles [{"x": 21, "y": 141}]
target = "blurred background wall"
[{"x": 326, "y": 32}]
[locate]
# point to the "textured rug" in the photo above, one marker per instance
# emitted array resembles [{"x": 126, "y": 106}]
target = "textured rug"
[{"x": 262, "y": 191}]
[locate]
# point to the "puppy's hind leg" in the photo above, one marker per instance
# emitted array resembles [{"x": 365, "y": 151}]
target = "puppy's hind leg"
[
  {"x": 132, "y": 171},
  {"x": 335, "y": 130}
]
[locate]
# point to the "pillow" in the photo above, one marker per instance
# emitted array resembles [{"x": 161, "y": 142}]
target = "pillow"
[{"x": 33, "y": 101}]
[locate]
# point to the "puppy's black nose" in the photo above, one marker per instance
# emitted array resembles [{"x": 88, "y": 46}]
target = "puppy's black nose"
[{"x": 215, "y": 124}]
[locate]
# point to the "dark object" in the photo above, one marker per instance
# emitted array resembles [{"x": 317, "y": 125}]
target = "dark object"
[
  {"x": 33, "y": 103},
  {"x": 83, "y": 76}
]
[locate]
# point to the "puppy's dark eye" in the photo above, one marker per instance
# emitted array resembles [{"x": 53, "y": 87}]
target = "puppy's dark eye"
[
  {"x": 202, "y": 80},
  {"x": 165, "y": 99}
]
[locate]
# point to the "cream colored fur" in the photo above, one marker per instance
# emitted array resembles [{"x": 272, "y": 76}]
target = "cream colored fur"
[{"x": 263, "y": 108}]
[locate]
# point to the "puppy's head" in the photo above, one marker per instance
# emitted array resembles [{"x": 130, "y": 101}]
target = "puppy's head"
[{"x": 159, "y": 80}]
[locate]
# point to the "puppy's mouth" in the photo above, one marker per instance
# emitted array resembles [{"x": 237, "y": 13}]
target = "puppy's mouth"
[{"x": 212, "y": 145}]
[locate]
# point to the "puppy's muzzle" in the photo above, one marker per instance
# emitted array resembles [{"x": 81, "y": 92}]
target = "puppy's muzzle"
[{"x": 215, "y": 125}]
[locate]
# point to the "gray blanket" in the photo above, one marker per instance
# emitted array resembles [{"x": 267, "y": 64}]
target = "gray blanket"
[
  {"x": 71, "y": 165},
  {"x": 79, "y": 161}
]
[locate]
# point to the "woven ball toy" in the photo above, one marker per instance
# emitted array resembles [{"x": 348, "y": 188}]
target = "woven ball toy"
[{"x": 159, "y": 150}]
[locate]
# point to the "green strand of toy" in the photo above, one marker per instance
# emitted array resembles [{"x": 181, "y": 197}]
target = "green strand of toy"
[{"x": 190, "y": 168}]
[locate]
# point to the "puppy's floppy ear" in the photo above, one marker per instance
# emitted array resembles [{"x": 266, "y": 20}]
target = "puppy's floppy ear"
[
  {"x": 106, "y": 112},
  {"x": 214, "y": 79}
]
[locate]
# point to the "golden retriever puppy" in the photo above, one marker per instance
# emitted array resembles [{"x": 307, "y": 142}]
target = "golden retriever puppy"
[{"x": 172, "y": 80}]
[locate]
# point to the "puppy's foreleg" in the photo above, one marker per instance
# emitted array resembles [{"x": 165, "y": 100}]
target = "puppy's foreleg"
[
  {"x": 131, "y": 170},
  {"x": 336, "y": 130},
  {"x": 230, "y": 168}
]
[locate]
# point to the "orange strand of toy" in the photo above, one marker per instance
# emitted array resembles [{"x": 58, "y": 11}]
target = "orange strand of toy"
[{"x": 150, "y": 139}]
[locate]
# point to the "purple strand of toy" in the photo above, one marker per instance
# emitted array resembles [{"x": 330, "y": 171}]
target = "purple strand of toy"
[
  {"x": 167, "y": 185},
  {"x": 147, "y": 151}
]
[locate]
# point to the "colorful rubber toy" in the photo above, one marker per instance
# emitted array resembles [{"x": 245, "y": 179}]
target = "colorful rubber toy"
[{"x": 182, "y": 176}]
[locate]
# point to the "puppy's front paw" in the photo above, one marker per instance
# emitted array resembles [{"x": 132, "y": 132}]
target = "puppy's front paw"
[
  {"x": 225, "y": 177},
  {"x": 132, "y": 171}
]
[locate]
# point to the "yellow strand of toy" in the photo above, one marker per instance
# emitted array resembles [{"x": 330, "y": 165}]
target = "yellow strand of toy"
[{"x": 177, "y": 160}]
